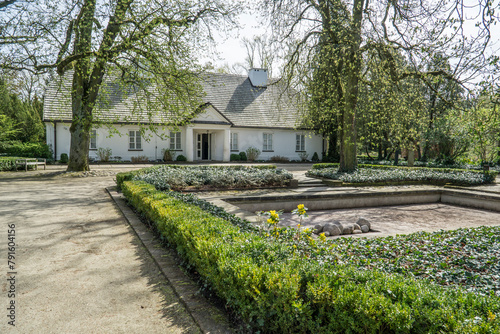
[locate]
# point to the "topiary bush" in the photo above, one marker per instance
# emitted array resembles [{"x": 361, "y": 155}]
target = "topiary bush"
[
  {"x": 315, "y": 157},
  {"x": 64, "y": 158},
  {"x": 235, "y": 157},
  {"x": 243, "y": 156},
  {"x": 180, "y": 157}
]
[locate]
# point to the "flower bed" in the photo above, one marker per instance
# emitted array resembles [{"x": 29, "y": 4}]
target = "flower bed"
[
  {"x": 209, "y": 177},
  {"x": 290, "y": 283},
  {"x": 381, "y": 174}
]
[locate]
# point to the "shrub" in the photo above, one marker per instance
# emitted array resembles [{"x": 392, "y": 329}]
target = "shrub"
[
  {"x": 8, "y": 163},
  {"x": 303, "y": 156},
  {"x": 140, "y": 159},
  {"x": 278, "y": 158},
  {"x": 180, "y": 157},
  {"x": 275, "y": 288},
  {"x": 64, "y": 158},
  {"x": 104, "y": 154},
  {"x": 235, "y": 157},
  {"x": 252, "y": 153},
  {"x": 26, "y": 150},
  {"x": 168, "y": 155},
  {"x": 243, "y": 156},
  {"x": 315, "y": 157}
]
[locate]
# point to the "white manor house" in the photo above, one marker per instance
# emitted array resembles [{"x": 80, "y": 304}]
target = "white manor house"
[{"x": 239, "y": 112}]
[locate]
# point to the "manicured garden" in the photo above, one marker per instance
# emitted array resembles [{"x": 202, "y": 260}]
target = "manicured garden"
[
  {"x": 381, "y": 174},
  {"x": 282, "y": 280},
  {"x": 179, "y": 177}
]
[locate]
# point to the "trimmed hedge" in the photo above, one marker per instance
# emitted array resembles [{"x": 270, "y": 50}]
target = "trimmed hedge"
[
  {"x": 27, "y": 150},
  {"x": 275, "y": 289}
]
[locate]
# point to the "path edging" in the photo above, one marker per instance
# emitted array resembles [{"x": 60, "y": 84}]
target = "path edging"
[{"x": 210, "y": 319}]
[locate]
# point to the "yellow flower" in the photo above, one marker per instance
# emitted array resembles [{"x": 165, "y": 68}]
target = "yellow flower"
[
  {"x": 322, "y": 237},
  {"x": 300, "y": 206},
  {"x": 298, "y": 225},
  {"x": 270, "y": 221}
]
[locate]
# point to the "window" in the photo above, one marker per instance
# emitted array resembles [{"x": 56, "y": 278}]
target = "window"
[
  {"x": 134, "y": 142},
  {"x": 234, "y": 142},
  {"x": 268, "y": 142},
  {"x": 93, "y": 139},
  {"x": 300, "y": 143},
  {"x": 175, "y": 141}
]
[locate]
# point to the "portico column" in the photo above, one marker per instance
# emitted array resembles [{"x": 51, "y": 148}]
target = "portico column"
[
  {"x": 227, "y": 150},
  {"x": 189, "y": 143}
]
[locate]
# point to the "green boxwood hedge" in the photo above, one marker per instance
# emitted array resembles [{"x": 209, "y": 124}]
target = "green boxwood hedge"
[{"x": 275, "y": 289}]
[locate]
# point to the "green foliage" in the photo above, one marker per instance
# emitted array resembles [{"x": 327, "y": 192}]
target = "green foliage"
[
  {"x": 8, "y": 163},
  {"x": 27, "y": 150},
  {"x": 315, "y": 157},
  {"x": 466, "y": 257},
  {"x": 243, "y": 156},
  {"x": 378, "y": 174},
  {"x": 278, "y": 284},
  {"x": 19, "y": 120},
  {"x": 180, "y": 157},
  {"x": 252, "y": 153},
  {"x": 64, "y": 158},
  {"x": 166, "y": 177},
  {"x": 235, "y": 157}
]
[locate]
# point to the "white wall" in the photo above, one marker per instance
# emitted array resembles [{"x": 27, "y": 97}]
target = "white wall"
[
  {"x": 152, "y": 145},
  {"x": 283, "y": 142}
]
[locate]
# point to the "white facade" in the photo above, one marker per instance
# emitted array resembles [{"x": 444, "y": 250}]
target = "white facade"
[{"x": 207, "y": 138}]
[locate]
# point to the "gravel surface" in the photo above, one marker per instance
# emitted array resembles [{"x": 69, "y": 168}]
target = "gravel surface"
[{"x": 80, "y": 268}]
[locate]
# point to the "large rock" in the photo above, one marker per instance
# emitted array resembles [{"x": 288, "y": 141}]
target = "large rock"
[
  {"x": 364, "y": 222},
  {"x": 365, "y": 229},
  {"x": 332, "y": 229},
  {"x": 347, "y": 229},
  {"x": 356, "y": 227},
  {"x": 356, "y": 232},
  {"x": 318, "y": 229}
]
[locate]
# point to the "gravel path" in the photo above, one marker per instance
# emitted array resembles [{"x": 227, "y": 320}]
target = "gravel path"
[{"x": 80, "y": 268}]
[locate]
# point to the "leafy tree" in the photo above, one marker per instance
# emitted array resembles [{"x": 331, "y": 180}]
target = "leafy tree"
[
  {"x": 137, "y": 44},
  {"x": 351, "y": 29}
]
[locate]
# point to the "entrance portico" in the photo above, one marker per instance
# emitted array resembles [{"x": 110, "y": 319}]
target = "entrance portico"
[{"x": 207, "y": 142}]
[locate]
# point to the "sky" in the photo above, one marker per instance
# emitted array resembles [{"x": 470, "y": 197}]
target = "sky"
[{"x": 231, "y": 49}]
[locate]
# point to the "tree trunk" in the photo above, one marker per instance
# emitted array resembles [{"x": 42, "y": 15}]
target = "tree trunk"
[{"x": 348, "y": 158}]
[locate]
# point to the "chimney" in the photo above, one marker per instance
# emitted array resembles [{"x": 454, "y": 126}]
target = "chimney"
[{"x": 258, "y": 77}]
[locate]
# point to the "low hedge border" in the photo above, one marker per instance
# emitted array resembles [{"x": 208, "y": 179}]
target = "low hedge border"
[{"x": 276, "y": 290}]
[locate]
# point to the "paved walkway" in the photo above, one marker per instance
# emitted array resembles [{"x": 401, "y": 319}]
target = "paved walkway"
[{"x": 80, "y": 268}]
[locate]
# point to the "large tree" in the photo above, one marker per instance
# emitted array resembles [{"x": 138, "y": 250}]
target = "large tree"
[
  {"x": 139, "y": 44},
  {"x": 328, "y": 41}
]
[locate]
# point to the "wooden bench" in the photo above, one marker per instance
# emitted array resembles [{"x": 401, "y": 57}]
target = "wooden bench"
[{"x": 31, "y": 162}]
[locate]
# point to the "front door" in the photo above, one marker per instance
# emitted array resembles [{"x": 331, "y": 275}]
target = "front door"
[{"x": 203, "y": 146}]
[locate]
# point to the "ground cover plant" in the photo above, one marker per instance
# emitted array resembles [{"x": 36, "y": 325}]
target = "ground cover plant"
[
  {"x": 281, "y": 280},
  {"x": 467, "y": 257},
  {"x": 205, "y": 177},
  {"x": 381, "y": 174}
]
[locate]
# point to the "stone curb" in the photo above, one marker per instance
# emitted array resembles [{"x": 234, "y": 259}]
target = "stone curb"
[{"x": 210, "y": 319}]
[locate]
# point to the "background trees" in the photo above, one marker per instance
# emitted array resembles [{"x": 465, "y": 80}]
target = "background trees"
[
  {"x": 138, "y": 43},
  {"x": 330, "y": 44}
]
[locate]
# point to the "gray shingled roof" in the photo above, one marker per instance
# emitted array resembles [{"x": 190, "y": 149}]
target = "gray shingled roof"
[{"x": 232, "y": 95}]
